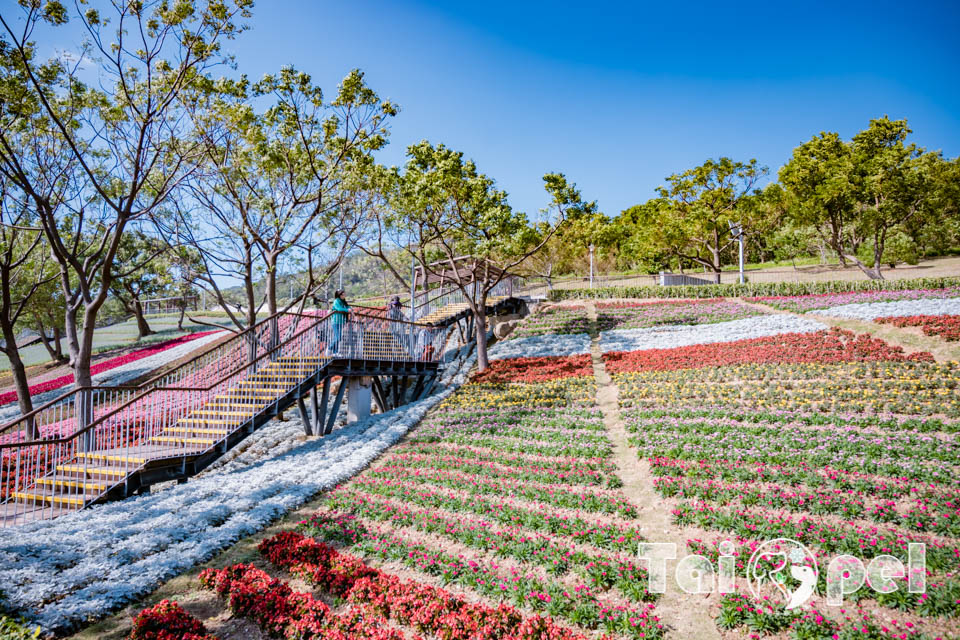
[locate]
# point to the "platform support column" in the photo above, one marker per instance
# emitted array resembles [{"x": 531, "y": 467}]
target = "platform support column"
[
  {"x": 358, "y": 400},
  {"x": 304, "y": 417},
  {"x": 335, "y": 409}
]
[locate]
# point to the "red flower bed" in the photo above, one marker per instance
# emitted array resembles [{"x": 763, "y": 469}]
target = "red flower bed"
[
  {"x": 536, "y": 369},
  {"x": 425, "y": 608},
  {"x": 282, "y": 612},
  {"x": 167, "y": 621},
  {"x": 825, "y": 347},
  {"x": 946, "y": 327},
  {"x": 106, "y": 365}
]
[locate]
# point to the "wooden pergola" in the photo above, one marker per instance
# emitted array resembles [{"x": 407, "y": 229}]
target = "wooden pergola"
[{"x": 464, "y": 270}]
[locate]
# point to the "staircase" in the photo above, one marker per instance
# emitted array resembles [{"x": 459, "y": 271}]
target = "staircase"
[{"x": 172, "y": 427}]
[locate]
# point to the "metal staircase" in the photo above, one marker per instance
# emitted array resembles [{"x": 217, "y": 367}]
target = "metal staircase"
[{"x": 105, "y": 443}]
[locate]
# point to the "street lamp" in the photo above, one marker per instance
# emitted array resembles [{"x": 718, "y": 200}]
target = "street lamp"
[{"x": 736, "y": 229}]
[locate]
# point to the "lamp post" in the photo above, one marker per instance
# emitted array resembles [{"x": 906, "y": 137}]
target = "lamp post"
[{"x": 736, "y": 229}]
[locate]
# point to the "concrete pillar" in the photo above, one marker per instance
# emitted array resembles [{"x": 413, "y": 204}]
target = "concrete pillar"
[{"x": 358, "y": 398}]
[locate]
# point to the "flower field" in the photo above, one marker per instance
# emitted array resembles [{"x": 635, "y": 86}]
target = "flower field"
[
  {"x": 107, "y": 365},
  {"x": 836, "y": 440},
  {"x": 640, "y": 315},
  {"x": 946, "y": 326},
  {"x": 804, "y": 303},
  {"x": 560, "y": 320}
]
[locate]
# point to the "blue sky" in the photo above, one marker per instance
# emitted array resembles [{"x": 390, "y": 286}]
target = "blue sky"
[{"x": 620, "y": 95}]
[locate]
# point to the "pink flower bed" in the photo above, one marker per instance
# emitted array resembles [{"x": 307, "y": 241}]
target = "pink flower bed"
[{"x": 105, "y": 365}]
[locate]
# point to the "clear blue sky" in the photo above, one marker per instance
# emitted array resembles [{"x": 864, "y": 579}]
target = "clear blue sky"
[{"x": 619, "y": 95}]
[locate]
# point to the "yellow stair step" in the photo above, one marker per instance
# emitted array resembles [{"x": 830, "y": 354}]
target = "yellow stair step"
[
  {"x": 183, "y": 440},
  {"x": 195, "y": 430},
  {"x": 111, "y": 457},
  {"x": 53, "y": 499},
  {"x": 101, "y": 471},
  {"x": 67, "y": 482}
]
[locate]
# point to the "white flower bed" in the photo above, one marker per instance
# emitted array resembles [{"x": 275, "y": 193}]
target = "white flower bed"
[
  {"x": 81, "y": 566},
  {"x": 541, "y": 346},
  {"x": 118, "y": 375},
  {"x": 668, "y": 337},
  {"x": 873, "y": 310}
]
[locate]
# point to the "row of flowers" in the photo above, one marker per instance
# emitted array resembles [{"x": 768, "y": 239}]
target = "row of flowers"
[
  {"x": 802, "y": 304},
  {"x": 167, "y": 620},
  {"x": 878, "y": 387},
  {"x": 536, "y": 369},
  {"x": 557, "y": 320},
  {"x": 874, "y": 310},
  {"x": 673, "y": 336},
  {"x": 106, "y": 365},
  {"x": 826, "y": 347},
  {"x": 636, "y": 315},
  {"x": 946, "y": 327}
]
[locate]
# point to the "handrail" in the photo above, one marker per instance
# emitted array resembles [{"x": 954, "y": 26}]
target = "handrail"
[
  {"x": 233, "y": 372},
  {"x": 18, "y": 422}
]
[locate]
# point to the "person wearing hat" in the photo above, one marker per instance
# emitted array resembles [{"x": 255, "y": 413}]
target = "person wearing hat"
[{"x": 341, "y": 311}]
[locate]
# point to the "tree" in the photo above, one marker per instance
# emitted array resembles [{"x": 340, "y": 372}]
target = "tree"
[
  {"x": 690, "y": 220},
  {"x": 149, "y": 277},
  {"x": 288, "y": 182},
  {"x": 23, "y": 273},
  {"x": 566, "y": 251},
  {"x": 116, "y": 154},
  {"x": 858, "y": 194},
  {"x": 451, "y": 210}
]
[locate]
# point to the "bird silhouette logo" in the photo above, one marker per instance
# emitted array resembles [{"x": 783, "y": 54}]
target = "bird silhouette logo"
[{"x": 788, "y": 566}]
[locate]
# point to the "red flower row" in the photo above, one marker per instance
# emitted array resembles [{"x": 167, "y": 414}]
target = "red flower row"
[
  {"x": 105, "y": 365},
  {"x": 167, "y": 621},
  {"x": 536, "y": 369},
  {"x": 427, "y": 609},
  {"x": 282, "y": 612},
  {"x": 947, "y": 327},
  {"x": 823, "y": 347}
]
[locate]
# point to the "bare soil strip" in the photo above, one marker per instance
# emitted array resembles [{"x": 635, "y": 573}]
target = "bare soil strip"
[{"x": 688, "y": 616}]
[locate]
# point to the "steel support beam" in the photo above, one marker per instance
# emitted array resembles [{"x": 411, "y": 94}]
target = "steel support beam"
[
  {"x": 304, "y": 416},
  {"x": 335, "y": 409}
]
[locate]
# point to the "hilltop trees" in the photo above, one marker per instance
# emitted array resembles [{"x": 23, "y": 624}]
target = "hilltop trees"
[{"x": 860, "y": 195}]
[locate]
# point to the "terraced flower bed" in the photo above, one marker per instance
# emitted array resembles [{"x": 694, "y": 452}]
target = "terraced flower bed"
[
  {"x": 839, "y": 441},
  {"x": 805, "y": 303},
  {"x": 946, "y": 327},
  {"x": 637, "y": 315},
  {"x": 554, "y": 321}
]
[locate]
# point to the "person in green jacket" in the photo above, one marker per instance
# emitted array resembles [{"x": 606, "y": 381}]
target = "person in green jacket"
[{"x": 341, "y": 311}]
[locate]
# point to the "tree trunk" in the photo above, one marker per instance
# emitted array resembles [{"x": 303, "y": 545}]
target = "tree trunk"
[
  {"x": 143, "y": 329},
  {"x": 183, "y": 312},
  {"x": 52, "y": 346},
  {"x": 20, "y": 382},
  {"x": 480, "y": 327}
]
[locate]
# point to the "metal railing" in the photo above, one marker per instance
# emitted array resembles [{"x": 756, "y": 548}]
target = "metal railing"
[
  {"x": 433, "y": 300},
  {"x": 125, "y": 428}
]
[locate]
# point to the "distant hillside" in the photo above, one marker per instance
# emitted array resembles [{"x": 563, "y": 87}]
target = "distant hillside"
[{"x": 363, "y": 277}]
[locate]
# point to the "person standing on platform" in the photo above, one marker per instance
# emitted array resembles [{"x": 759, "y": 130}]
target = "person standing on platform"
[{"x": 341, "y": 312}]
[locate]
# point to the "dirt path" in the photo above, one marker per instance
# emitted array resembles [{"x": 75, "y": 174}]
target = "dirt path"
[
  {"x": 910, "y": 339},
  {"x": 688, "y": 616}
]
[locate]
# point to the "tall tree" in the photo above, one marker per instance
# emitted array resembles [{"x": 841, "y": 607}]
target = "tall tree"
[
  {"x": 145, "y": 273},
  {"x": 126, "y": 144},
  {"x": 451, "y": 210},
  {"x": 24, "y": 271},
  {"x": 859, "y": 194},
  {"x": 691, "y": 219}
]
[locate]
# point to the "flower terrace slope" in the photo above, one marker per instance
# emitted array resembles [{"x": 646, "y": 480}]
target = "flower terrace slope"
[{"x": 836, "y": 440}]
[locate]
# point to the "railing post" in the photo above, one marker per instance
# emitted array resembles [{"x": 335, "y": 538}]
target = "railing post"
[{"x": 85, "y": 417}]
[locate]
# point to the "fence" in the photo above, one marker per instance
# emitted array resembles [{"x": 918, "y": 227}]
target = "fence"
[{"x": 93, "y": 438}]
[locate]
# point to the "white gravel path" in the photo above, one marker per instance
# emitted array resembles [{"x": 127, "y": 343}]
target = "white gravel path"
[
  {"x": 668, "y": 337},
  {"x": 873, "y": 310}
]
